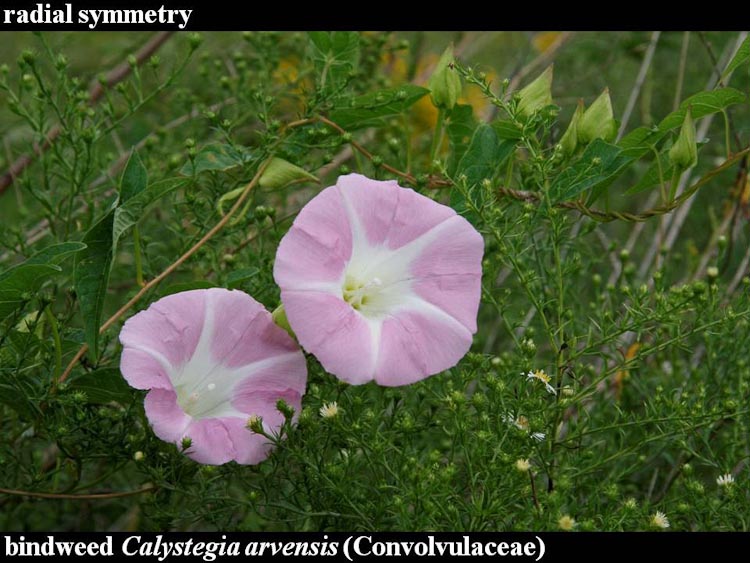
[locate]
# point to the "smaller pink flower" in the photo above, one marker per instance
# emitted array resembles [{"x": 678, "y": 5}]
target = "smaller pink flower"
[
  {"x": 212, "y": 359},
  {"x": 379, "y": 282}
]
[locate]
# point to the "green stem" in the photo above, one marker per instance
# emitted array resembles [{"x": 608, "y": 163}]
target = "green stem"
[
  {"x": 438, "y": 135},
  {"x": 58, "y": 346},
  {"x": 673, "y": 185},
  {"x": 726, "y": 133},
  {"x": 137, "y": 255}
]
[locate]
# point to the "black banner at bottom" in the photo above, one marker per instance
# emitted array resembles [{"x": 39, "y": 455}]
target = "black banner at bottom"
[{"x": 209, "y": 547}]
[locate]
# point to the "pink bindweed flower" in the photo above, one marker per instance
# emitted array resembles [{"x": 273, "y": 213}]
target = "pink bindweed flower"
[
  {"x": 212, "y": 359},
  {"x": 379, "y": 282}
]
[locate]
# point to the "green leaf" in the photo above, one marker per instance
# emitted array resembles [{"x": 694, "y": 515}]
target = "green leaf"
[
  {"x": 702, "y": 104},
  {"x": 187, "y": 286},
  {"x": 92, "y": 268},
  {"x": 651, "y": 177},
  {"x": 237, "y": 277},
  {"x": 55, "y": 253},
  {"x": 336, "y": 55},
  {"x": 741, "y": 57},
  {"x": 461, "y": 125},
  {"x": 103, "y": 386},
  {"x": 130, "y": 212},
  {"x": 636, "y": 143},
  {"x": 485, "y": 154},
  {"x": 641, "y": 140},
  {"x": 134, "y": 178},
  {"x": 216, "y": 157},
  {"x": 18, "y": 283},
  {"x": 373, "y": 108},
  {"x": 18, "y": 400},
  {"x": 507, "y": 130},
  {"x": 599, "y": 165}
]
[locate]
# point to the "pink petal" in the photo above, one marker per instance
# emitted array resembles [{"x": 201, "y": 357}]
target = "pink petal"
[
  {"x": 458, "y": 295},
  {"x": 143, "y": 371},
  {"x": 240, "y": 324},
  {"x": 210, "y": 442},
  {"x": 167, "y": 419},
  {"x": 458, "y": 250},
  {"x": 259, "y": 393},
  {"x": 169, "y": 328},
  {"x": 414, "y": 346},
  {"x": 318, "y": 245},
  {"x": 248, "y": 447},
  {"x": 391, "y": 215},
  {"x": 328, "y": 327},
  {"x": 448, "y": 272}
]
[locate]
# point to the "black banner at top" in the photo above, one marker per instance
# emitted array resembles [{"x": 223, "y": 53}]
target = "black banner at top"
[
  {"x": 209, "y": 547},
  {"x": 201, "y": 15}
]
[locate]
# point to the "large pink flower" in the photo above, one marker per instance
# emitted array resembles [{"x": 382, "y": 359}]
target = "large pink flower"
[
  {"x": 379, "y": 282},
  {"x": 212, "y": 359}
]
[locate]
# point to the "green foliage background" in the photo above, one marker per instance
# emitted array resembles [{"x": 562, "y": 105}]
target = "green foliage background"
[{"x": 633, "y": 302}]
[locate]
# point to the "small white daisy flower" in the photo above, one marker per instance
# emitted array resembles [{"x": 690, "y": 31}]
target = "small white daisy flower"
[
  {"x": 726, "y": 480},
  {"x": 329, "y": 410},
  {"x": 660, "y": 520},
  {"x": 538, "y": 436},
  {"x": 544, "y": 378}
]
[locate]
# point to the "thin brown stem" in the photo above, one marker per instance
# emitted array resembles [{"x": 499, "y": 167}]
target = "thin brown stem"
[
  {"x": 534, "y": 496},
  {"x": 68, "y": 496},
  {"x": 433, "y": 182}
]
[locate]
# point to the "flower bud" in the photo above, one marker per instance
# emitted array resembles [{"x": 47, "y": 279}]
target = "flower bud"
[
  {"x": 255, "y": 424},
  {"x": 285, "y": 408},
  {"x": 684, "y": 152},
  {"x": 279, "y": 317},
  {"x": 598, "y": 121},
  {"x": 195, "y": 40},
  {"x": 536, "y": 95},
  {"x": 445, "y": 83},
  {"x": 569, "y": 140},
  {"x": 279, "y": 173}
]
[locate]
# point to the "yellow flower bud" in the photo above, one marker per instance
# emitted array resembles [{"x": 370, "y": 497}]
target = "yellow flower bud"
[
  {"x": 536, "y": 95},
  {"x": 684, "y": 152},
  {"x": 445, "y": 83},
  {"x": 598, "y": 121}
]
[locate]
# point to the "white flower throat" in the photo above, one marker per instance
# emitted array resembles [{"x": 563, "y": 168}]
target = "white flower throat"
[
  {"x": 199, "y": 399},
  {"x": 358, "y": 294}
]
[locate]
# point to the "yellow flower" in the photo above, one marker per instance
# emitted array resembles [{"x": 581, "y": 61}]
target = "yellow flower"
[
  {"x": 566, "y": 522},
  {"x": 523, "y": 465},
  {"x": 544, "y": 40}
]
